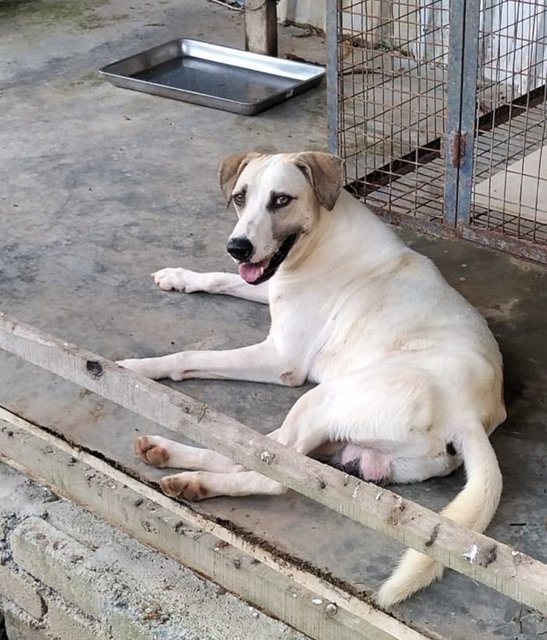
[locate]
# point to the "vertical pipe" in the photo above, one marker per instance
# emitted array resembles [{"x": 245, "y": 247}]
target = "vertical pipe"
[
  {"x": 261, "y": 26},
  {"x": 470, "y": 74},
  {"x": 333, "y": 88},
  {"x": 463, "y": 56}
]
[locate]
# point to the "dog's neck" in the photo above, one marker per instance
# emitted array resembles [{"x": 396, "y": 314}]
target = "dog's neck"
[{"x": 376, "y": 241}]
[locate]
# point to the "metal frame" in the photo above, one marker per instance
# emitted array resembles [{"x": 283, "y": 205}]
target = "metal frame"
[
  {"x": 452, "y": 154},
  {"x": 333, "y": 112},
  {"x": 463, "y": 59}
]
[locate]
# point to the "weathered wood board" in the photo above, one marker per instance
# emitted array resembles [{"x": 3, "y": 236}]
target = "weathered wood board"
[
  {"x": 513, "y": 572},
  {"x": 276, "y": 585}
]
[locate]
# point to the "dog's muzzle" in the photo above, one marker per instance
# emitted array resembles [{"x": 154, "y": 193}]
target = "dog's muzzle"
[{"x": 258, "y": 272}]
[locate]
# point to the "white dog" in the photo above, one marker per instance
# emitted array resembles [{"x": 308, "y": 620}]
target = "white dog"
[{"x": 409, "y": 377}]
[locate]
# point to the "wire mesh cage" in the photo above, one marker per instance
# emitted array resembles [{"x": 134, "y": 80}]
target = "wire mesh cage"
[{"x": 439, "y": 111}]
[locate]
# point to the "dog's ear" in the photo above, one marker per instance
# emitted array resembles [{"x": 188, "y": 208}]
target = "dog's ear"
[
  {"x": 230, "y": 169},
  {"x": 324, "y": 172}
]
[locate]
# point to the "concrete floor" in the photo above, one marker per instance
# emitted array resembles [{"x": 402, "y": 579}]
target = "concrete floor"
[{"x": 103, "y": 186}]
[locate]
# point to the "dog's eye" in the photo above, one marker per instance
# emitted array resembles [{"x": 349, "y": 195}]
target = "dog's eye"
[
  {"x": 282, "y": 200},
  {"x": 239, "y": 199}
]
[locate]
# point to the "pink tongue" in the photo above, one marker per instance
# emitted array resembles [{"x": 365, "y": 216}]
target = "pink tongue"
[{"x": 250, "y": 272}]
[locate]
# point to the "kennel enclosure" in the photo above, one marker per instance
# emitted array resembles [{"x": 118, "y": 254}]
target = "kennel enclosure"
[{"x": 438, "y": 109}]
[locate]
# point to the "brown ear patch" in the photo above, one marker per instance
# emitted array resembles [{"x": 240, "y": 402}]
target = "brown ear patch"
[
  {"x": 230, "y": 169},
  {"x": 324, "y": 172}
]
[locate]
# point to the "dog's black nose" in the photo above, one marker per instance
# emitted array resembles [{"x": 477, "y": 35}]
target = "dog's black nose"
[{"x": 240, "y": 248}]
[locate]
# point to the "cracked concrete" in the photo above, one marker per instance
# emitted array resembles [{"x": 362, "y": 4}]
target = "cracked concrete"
[{"x": 67, "y": 574}]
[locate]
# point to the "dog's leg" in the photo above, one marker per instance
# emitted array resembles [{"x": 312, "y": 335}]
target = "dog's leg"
[
  {"x": 358, "y": 408},
  {"x": 200, "y": 485},
  {"x": 259, "y": 363},
  {"x": 229, "y": 284},
  {"x": 162, "y": 452},
  {"x": 304, "y": 429}
]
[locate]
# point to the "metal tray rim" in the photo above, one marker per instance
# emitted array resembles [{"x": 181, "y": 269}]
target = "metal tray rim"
[{"x": 247, "y": 108}]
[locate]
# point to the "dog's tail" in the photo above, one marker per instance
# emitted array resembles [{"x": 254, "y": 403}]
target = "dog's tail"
[{"x": 473, "y": 507}]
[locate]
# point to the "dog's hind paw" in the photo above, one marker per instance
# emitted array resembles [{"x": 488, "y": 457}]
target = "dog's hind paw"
[
  {"x": 150, "y": 449},
  {"x": 177, "y": 279},
  {"x": 186, "y": 486}
]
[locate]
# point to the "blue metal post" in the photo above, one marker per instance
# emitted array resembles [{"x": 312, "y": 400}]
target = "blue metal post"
[
  {"x": 333, "y": 115},
  {"x": 463, "y": 60}
]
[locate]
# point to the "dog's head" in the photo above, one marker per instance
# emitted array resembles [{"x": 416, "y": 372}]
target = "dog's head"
[{"x": 278, "y": 198}]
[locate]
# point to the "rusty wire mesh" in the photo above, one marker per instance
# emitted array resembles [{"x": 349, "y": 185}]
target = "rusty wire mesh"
[
  {"x": 510, "y": 169},
  {"x": 393, "y": 77}
]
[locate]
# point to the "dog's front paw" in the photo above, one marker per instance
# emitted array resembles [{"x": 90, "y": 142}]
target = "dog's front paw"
[
  {"x": 154, "y": 368},
  {"x": 176, "y": 278},
  {"x": 189, "y": 485},
  {"x": 146, "y": 367}
]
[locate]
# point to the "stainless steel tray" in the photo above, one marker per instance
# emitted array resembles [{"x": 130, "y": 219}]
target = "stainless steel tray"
[{"x": 214, "y": 76}]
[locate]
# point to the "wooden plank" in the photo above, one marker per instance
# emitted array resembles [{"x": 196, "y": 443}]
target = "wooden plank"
[
  {"x": 261, "y": 26},
  {"x": 280, "y": 587},
  {"x": 478, "y": 556}
]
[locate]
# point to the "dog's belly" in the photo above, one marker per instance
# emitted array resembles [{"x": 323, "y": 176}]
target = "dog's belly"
[
  {"x": 379, "y": 467},
  {"x": 369, "y": 464}
]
